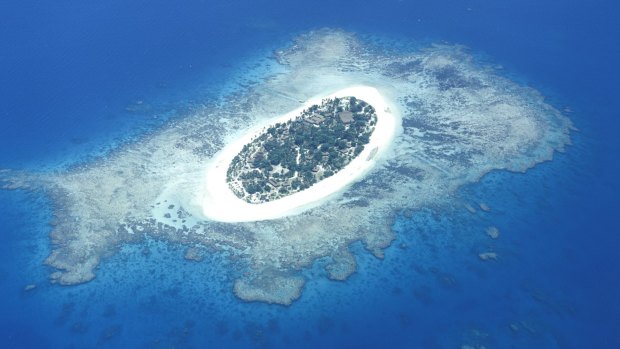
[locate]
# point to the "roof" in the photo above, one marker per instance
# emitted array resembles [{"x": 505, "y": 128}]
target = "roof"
[
  {"x": 315, "y": 119},
  {"x": 346, "y": 116}
]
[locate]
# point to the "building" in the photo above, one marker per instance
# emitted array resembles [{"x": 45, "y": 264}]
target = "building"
[
  {"x": 259, "y": 156},
  {"x": 346, "y": 117},
  {"x": 315, "y": 119}
]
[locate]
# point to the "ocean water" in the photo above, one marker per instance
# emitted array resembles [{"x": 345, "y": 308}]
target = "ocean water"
[{"x": 78, "y": 78}]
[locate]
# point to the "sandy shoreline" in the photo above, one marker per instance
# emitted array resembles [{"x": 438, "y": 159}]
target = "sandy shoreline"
[{"x": 219, "y": 203}]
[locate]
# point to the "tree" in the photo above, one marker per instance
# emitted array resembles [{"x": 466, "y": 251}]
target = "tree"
[
  {"x": 296, "y": 183},
  {"x": 299, "y": 139},
  {"x": 275, "y": 157},
  {"x": 341, "y": 144},
  {"x": 358, "y": 150},
  {"x": 364, "y": 138}
]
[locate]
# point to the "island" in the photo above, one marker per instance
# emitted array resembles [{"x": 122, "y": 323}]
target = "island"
[
  {"x": 294, "y": 155},
  {"x": 286, "y": 165}
]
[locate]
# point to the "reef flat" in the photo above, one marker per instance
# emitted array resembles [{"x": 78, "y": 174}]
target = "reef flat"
[{"x": 460, "y": 120}]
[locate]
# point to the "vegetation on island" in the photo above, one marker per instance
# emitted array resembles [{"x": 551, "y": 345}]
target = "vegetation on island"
[{"x": 292, "y": 156}]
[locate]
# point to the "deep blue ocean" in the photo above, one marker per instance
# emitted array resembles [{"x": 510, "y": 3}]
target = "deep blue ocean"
[{"x": 69, "y": 69}]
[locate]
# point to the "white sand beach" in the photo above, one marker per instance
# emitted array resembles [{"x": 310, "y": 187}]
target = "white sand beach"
[{"x": 219, "y": 203}]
